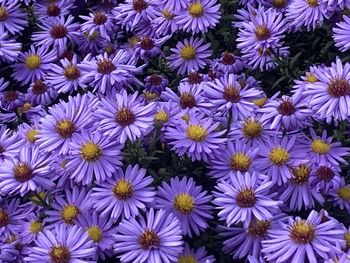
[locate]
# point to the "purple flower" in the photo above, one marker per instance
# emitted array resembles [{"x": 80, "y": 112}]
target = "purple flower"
[
  {"x": 12, "y": 19},
  {"x": 31, "y": 228},
  {"x": 341, "y": 34},
  {"x": 61, "y": 244},
  {"x": 154, "y": 238},
  {"x": 10, "y": 99},
  {"x": 325, "y": 177},
  {"x": 8, "y": 252},
  {"x": 175, "y": 5},
  {"x": 228, "y": 63},
  {"x": 156, "y": 83},
  {"x": 200, "y": 15},
  {"x": 244, "y": 197},
  {"x": 198, "y": 256},
  {"x": 124, "y": 194},
  {"x": 25, "y": 172},
  {"x": 125, "y": 117},
  {"x": 92, "y": 156},
  {"x": 197, "y": 137},
  {"x": 52, "y": 10},
  {"x": 189, "y": 55},
  {"x": 188, "y": 202},
  {"x": 41, "y": 93},
  {"x": 302, "y": 240},
  {"x": 341, "y": 196},
  {"x": 10, "y": 144},
  {"x": 100, "y": 22},
  {"x": 9, "y": 48},
  {"x": 33, "y": 64},
  {"x": 89, "y": 42},
  {"x": 165, "y": 24},
  {"x": 149, "y": 47}
]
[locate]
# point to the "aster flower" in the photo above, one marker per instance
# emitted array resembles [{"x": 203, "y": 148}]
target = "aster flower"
[
  {"x": 63, "y": 120},
  {"x": 100, "y": 230},
  {"x": 88, "y": 42},
  {"x": 29, "y": 132},
  {"x": 124, "y": 194},
  {"x": 175, "y": 5},
  {"x": 200, "y": 15},
  {"x": 154, "y": 238},
  {"x": 125, "y": 117},
  {"x": 198, "y": 256},
  {"x": 31, "y": 228},
  {"x": 189, "y": 55},
  {"x": 33, "y": 64},
  {"x": 40, "y": 93},
  {"x": 12, "y": 19},
  {"x": 104, "y": 73},
  {"x": 325, "y": 177},
  {"x": 61, "y": 244},
  {"x": 300, "y": 240},
  {"x": 276, "y": 156},
  {"x": 52, "y": 10},
  {"x": 68, "y": 206},
  {"x": 188, "y": 202},
  {"x": 156, "y": 83},
  {"x": 100, "y": 22},
  {"x": 149, "y": 47},
  {"x": 244, "y": 197},
  {"x": 233, "y": 157},
  {"x": 299, "y": 192},
  {"x": 227, "y": 95},
  {"x": 228, "y": 63},
  {"x": 341, "y": 196},
  {"x": 9, "y": 48},
  {"x": 8, "y": 252},
  {"x": 165, "y": 24},
  {"x": 66, "y": 77},
  {"x": 280, "y": 5},
  {"x": 330, "y": 94},
  {"x": 92, "y": 156},
  {"x": 57, "y": 33},
  {"x": 309, "y": 13},
  {"x": 196, "y": 137},
  {"x": 341, "y": 34},
  {"x": 25, "y": 172}
]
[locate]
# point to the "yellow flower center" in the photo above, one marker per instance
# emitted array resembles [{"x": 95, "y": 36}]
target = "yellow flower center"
[
  {"x": 35, "y": 227},
  {"x": 65, "y": 128},
  {"x": 3, "y": 13},
  {"x": 301, "y": 174},
  {"x": 95, "y": 233},
  {"x": 187, "y": 259},
  {"x": 240, "y": 162},
  {"x": 259, "y": 228},
  {"x": 260, "y": 102},
  {"x": 148, "y": 239},
  {"x": 4, "y": 218},
  {"x": 279, "y": 3},
  {"x": 186, "y": 118},
  {"x": 196, "y": 9},
  {"x": 25, "y": 108},
  {"x": 184, "y": 203},
  {"x": 71, "y": 72},
  {"x": 60, "y": 254},
  {"x": 123, "y": 189},
  {"x": 31, "y": 135},
  {"x": 311, "y": 78},
  {"x": 91, "y": 151},
  {"x": 302, "y": 232},
  {"x": 312, "y": 3},
  {"x": 33, "y": 61},
  {"x": 151, "y": 95},
  {"x": 161, "y": 116},
  {"x": 319, "y": 146},
  {"x": 278, "y": 155},
  {"x": 196, "y": 133},
  {"x": 344, "y": 193},
  {"x": 252, "y": 129},
  {"x": 347, "y": 240},
  {"x": 262, "y": 32},
  {"x": 168, "y": 15},
  {"x": 22, "y": 172},
  {"x": 246, "y": 197},
  {"x": 188, "y": 52},
  {"x": 69, "y": 213}
]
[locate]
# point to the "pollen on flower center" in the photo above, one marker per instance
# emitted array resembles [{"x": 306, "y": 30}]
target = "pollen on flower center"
[
  {"x": 123, "y": 189},
  {"x": 259, "y": 228},
  {"x": 105, "y": 67},
  {"x": 33, "y": 61},
  {"x": 90, "y": 151},
  {"x": 149, "y": 239},
  {"x": 35, "y": 227},
  {"x": 39, "y": 87},
  {"x": 302, "y": 232},
  {"x": 58, "y": 31},
  {"x": 69, "y": 213},
  {"x": 319, "y": 146},
  {"x": 188, "y": 52},
  {"x": 147, "y": 43},
  {"x": 71, "y": 72},
  {"x": 187, "y": 100},
  {"x": 95, "y": 233},
  {"x": 3, "y": 13},
  {"x": 168, "y": 15},
  {"x": 228, "y": 58},
  {"x": 196, "y": 133},
  {"x": 246, "y": 197},
  {"x": 347, "y": 240},
  {"x": 286, "y": 107},
  {"x": 60, "y": 254},
  {"x": 184, "y": 203},
  {"x": 11, "y": 95},
  {"x": 196, "y": 9},
  {"x": 231, "y": 94},
  {"x": 240, "y": 162},
  {"x": 65, "y": 128},
  {"x": 187, "y": 259},
  {"x": 22, "y": 172},
  {"x": 301, "y": 174},
  {"x": 252, "y": 129},
  {"x": 124, "y": 117},
  {"x": 53, "y": 9},
  {"x": 278, "y": 155},
  {"x": 139, "y": 5},
  {"x": 100, "y": 18},
  {"x": 344, "y": 193},
  {"x": 260, "y": 102},
  {"x": 279, "y": 3},
  {"x": 338, "y": 88},
  {"x": 4, "y": 218},
  {"x": 151, "y": 95},
  {"x": 311, "y": 78},
  {"x": 325, "y": 173},
  {"x": 262, "y": 32},
  {"x": 313, "y": 3},
  {"x": 161, "y": 116}
]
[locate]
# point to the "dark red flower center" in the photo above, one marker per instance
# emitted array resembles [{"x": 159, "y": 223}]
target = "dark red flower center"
[
  {"x": 149, "y": 239},
  {"x": 22, "y": 172},
  {"x": 187, "y": 100},
  {"x": 3, "y": 13},
  {"x": 338, "y": 88},
  {"x": 124, "y": 117},
  {"x": 147, "y": 43},
  {"x": 231, "y": 94},
  {"x": 4, "y": 218},
  {"x": 58, "y": 31},
  {"x": 139, "y": 5},
  {"x": 286, "y": 107},
  {"x": 246, "y": 197},
  {"x": 39, "y": 87},
  {"x": 228, "y": 58},
  {"x": 105, "y": 66},
  {"x": 194, "y": 78},
  {"x": 11, "y": 95},
  {"x": 155, "y": 80},
  {"x": 100, "y": 18},
  {"x": 325, "y": 173},
  {"x": 259, "y": 228},
  {"x": 53, "y": 10}
]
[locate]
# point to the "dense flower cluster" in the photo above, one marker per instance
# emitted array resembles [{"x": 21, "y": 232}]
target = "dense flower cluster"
[{"x": 131, "y": 131}]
